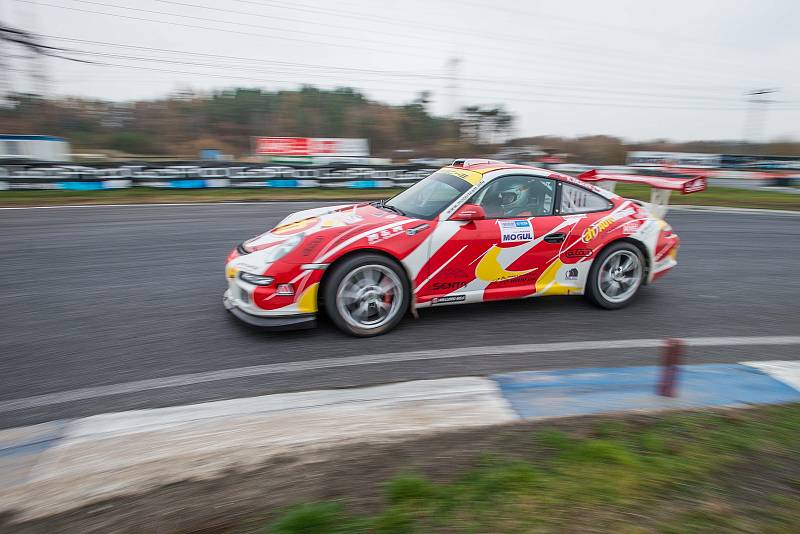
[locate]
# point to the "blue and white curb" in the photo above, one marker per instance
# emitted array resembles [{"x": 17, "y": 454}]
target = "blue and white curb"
[
  {"x": 539, "y": 394},
  {"x": 54, "y": 467}
]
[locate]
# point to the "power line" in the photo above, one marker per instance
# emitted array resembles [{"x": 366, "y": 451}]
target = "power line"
[
  {"x": 508, "y": 87},
  {"x": 491, "y": 81},
  {"x": 603, "y": 70},
  {"x": 474, "y": 97},
  {"x": 495, "y": 36}
]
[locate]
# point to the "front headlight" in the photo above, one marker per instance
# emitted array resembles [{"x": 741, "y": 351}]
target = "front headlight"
[
  {"x": 256, "y": 279},
  {"x": 286, "y": 247}
]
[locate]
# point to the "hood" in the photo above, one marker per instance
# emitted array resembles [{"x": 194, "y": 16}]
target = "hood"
[{"x": 311, "y": 221}]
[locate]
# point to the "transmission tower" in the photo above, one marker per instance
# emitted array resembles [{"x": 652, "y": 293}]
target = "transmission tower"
[
  {"x": 453, "y": 87},
  {"x": 757, "y": 102},
  {"x": 33, "y": 59}
]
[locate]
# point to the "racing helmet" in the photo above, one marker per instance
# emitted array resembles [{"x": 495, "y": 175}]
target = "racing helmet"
[{"x": 515, "y": 197}]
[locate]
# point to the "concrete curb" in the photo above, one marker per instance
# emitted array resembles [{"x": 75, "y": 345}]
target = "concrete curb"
[{"x": 54, "y": 467}]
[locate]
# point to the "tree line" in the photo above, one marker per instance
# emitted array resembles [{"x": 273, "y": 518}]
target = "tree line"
[{"x": 184, "y": 123}]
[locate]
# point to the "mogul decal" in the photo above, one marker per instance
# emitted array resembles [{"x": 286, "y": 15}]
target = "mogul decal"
[{"x": 515, "y": 231}]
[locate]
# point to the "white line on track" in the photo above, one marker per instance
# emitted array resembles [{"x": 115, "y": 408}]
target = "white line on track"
[{"x": 371, "y": 359}]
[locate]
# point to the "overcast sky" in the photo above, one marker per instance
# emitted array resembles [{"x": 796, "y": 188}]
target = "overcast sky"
[{"x": 640, "y": 69}]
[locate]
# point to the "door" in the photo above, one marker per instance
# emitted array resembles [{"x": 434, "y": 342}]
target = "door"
[{"x": 503, "y": 255}]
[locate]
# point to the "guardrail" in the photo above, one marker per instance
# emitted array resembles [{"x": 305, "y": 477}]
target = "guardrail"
[{"x": 192, "y": 175}]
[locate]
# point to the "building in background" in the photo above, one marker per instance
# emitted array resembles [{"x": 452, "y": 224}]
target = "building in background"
[{"x": 34, "y": 147}]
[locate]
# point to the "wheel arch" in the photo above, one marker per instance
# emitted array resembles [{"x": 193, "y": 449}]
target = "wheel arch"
[
  {"x": 639, "y": 245},
  {"x": 356, "y": 252}
]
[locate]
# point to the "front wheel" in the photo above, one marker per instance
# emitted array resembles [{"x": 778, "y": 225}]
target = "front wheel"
[
  {"x": 366, "y": 295},
  {"x": 615, "y": 276}
]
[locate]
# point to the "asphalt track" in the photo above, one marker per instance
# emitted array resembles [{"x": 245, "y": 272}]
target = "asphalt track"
[{"x": 101, "y": 296}]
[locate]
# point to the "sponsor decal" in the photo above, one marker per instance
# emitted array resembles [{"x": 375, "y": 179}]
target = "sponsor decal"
[
  {"x": 296, "y": 227},
  {"x": 631, "y": 227},
  {"x": 383, "y": 235},
  {"x": 572, "y": 274},
  {"x": 515, "y": 231},
  {"x": 516, "y": 280},
  {"x": 578, "y": 253},
  {"x": 312, "y": 245},
  {"x": 448, "y": 286},
  {"x": 694, "y": 186},
  {"x": 591, "y": 232},
  {"x": 448, "y": 298}
]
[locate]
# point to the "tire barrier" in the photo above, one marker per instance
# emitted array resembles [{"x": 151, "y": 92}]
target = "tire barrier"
[
  {"x": 188, "y": 176},
  {"x": 193, "y": 175}
]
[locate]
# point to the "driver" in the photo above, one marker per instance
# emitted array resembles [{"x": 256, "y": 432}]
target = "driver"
[{"x": 515, "y": 201}]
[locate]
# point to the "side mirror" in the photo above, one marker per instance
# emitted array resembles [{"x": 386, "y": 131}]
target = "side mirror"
[{"x": 468, "y": 212}]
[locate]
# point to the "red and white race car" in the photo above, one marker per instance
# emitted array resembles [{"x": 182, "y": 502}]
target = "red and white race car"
[{"x": 475, "y": 231}]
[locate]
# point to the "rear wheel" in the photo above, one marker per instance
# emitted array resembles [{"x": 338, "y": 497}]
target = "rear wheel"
[
  {"x": 616, "y": 276},
  {"x": 366, "y": 295}
]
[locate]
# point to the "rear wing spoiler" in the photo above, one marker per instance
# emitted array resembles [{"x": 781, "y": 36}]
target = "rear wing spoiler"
[{"x": 661, "y": 186}]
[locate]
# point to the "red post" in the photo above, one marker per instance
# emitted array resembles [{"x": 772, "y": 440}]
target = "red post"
[{"x": 670, "y": 360}]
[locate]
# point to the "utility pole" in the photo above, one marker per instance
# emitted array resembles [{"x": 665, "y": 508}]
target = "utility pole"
[
  {"x": 452, "y": 89},
  {"x": 757, "y": 100},
  {"x": 6, "y": 79},
  {"x": 33, "y": 58}
]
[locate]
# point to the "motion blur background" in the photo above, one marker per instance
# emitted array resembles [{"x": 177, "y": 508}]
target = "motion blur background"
[
  {"x": 113, "y": 318},
  {"x": 417, "y": 79}
]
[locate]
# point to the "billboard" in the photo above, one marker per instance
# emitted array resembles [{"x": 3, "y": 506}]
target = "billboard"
[{"x": 310, "y": 146}]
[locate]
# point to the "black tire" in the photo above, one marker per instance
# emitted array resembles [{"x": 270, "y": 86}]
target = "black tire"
[
  {"x": 596, "y": 294},
  {"x": 340, "y": 279}
]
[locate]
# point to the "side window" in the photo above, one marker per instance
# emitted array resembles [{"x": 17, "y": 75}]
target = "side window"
[
  {"x": 579, "y": 200},
  {"x": 516, "y": 196}
]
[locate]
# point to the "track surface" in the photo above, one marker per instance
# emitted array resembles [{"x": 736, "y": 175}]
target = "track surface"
[{"x": 106, "y": 295}]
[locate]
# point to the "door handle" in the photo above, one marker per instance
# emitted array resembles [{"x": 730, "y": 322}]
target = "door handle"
[{"x": 555, "y": 238}]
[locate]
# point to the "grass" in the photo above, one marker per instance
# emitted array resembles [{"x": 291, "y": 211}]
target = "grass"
[
  {"x": 680, "y": 473},
  {"x": 145, "y": 195},
  {"x": 714, "y": 196}
]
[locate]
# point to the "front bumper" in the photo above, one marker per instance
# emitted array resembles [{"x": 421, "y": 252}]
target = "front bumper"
[{"x": 280, "y": 322}]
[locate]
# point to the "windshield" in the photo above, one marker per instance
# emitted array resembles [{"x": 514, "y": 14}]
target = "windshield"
[{"x": 429, "y": 197}]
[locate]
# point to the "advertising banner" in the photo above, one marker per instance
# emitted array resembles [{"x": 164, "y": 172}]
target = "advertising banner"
[{"x": 310, "y": 146}]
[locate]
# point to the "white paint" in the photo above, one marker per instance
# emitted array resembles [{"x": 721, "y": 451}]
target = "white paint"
[
  {"x": 484, "y": 396},
  {"x": 372, "y": 359},
  {"x": 787, "y": 372}
]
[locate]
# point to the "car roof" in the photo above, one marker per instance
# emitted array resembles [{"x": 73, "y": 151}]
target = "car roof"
[{"x": 484, "y": 166}]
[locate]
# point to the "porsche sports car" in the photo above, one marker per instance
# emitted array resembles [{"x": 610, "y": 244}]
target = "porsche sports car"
[{"x": 474, "y": 231}]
